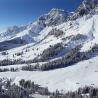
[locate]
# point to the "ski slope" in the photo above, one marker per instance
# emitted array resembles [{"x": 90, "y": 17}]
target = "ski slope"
[
  {"x": 38, "y": 39},
  {"x": 67, "y": 79}
]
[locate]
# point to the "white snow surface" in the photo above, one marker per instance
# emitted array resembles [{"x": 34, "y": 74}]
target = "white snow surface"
[
  {"x": 86, "y": 26},
  {"x": 38, "y": 96},
  {"x": 67, "y": 79}
]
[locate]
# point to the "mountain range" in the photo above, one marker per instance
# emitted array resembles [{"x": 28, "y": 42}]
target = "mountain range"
[{"x": 59, "y": 50}]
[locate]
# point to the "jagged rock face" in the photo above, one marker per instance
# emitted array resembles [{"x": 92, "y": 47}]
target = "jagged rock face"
[
  {"x": 86, "y": 6},
  {"x": 54, "y": 17}
]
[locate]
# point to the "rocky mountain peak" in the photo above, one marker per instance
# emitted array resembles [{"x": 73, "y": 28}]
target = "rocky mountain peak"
[
  {"x": 54, "y": 17},
  {"x": 86, "y": 6}
]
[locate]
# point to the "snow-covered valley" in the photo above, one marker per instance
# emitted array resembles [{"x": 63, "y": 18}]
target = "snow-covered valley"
[
  {"x": 58, "y": 51},
  {"x": 69, "y": 79}
]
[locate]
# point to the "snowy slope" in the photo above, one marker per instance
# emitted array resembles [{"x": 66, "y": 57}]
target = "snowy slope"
[
  {"x": 38, "y": 96},
  {"x": 49, "y": 30},
  {"x": 54, "y": 17},
  {"x": 85, "y": 26},
  {"x": 70, "y": 78}
]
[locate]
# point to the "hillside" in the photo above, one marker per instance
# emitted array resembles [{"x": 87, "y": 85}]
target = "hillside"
[{"x": 59, "y": 50}]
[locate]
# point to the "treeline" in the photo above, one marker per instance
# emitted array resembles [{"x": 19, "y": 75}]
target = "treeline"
[
  {"x": 29, "y": 67},
  {"x": 56, "y": 32},
  {"x": 12, "y": 91},
  {"x": 25, "y": 88},
  {"x": 70, "y": 58},
  {"x": 49, "y": 53},
  {"x": 9, "y": 69},
  {"x": 33, "y": 88},
  {"x": 6, "y": 62},
  {"x": 86, "y": 92}
]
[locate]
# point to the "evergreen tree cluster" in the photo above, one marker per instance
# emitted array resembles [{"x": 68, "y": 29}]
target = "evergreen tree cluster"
[
  {"x": 86, "y": 92},
  {"x": 27, "y": 88}
]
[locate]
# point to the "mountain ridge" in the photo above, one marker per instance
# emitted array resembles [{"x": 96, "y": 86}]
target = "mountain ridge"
[{"x": 56, "y": 42}]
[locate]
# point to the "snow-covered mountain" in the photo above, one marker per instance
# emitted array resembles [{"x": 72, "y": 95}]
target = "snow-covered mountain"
[
  {"x": 54, "y": 17},
  {"x": 58, "y": 39}
]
